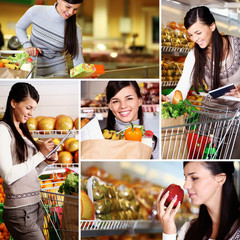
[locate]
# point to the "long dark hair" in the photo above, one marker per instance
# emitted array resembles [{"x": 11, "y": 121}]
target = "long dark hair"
[
  {"x": 70, "y": 35},
  {"x": 112, "y": 89},
  {"x": 230, "y": 211},
  {"x": 204, "y": 15},
  {"x": 19, "y": 92}
]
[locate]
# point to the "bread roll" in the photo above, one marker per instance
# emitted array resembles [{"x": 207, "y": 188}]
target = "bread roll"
[{"x": 177, "y": 96}]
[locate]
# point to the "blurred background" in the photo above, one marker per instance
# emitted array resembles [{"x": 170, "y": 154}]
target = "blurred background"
[{"x": 119, "y": 33}]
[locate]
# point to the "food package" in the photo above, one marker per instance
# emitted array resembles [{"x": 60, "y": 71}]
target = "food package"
[
  {"x": 173, "y": 145},
  {"x": 82, "y": 70},
  {"x": 13, "y": 73},
  {"x": 112, "y": 203},
  {"x": 99, "y": 70}
]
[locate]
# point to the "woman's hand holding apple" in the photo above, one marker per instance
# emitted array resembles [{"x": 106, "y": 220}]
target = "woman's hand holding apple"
[{"x": 166, "y": 215}]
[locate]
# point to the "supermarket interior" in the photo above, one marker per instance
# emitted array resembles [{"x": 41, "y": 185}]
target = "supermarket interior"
[
  {"x": 135, "y": 186},
  {"x": 121, "y": 35}
]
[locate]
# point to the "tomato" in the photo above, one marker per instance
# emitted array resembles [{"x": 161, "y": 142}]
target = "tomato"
[
  {"x": 29, "y": 59},
  {"x": 134, "y": 134},
  {"x": 1, "y": 64}
]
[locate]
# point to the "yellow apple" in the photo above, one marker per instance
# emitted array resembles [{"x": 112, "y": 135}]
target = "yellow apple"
[
  {"x": 64, "y": 122},
  {"x": 71, "y": 145},
  {"x": 65, "y": 157},
  {"x": 76, "y": 123},
  {"x": 32, "y": 123},
  {"x": 57, "y": 141},
  {"x": 47, "y": 123}
]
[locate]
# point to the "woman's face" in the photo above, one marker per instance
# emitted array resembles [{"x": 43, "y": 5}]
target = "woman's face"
[
  {"x": 202, "y": 186},
  {"x": 125, "y": 104},
  {"x": 201, "y": 33},
  {"x": 23, "y": 110},
  {"x": 66, "y": 10}
]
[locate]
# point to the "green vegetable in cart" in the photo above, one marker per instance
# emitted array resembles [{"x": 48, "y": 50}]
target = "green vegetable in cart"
[
  {"x": 19, "y": 58},
  {"x": 70, "y": 185}
]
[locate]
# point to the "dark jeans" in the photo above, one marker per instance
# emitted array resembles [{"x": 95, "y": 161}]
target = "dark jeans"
[{"x": 25, "y": 223}]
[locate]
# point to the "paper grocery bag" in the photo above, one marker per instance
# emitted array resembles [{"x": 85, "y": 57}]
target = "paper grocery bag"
[
  {"x": 173, "y": 144},
  {"x": 114, "y": 149},
  {"x": 11, "y": 73},
  {"x": 70, "y": 224}
]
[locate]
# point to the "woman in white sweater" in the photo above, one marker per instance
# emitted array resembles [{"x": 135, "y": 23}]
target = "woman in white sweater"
[
  {"x": 210, "y": 185},
  {"x": 21, "y": 162}
]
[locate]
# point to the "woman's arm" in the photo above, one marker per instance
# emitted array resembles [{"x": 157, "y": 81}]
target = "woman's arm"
[
  {"x": 9, "y": 172},
  {"x": 21, "y": 28},
  {"x": 79, "y": 58},
  {"x": 181, "y": 234},
  {"x": 185, "y": 82}
]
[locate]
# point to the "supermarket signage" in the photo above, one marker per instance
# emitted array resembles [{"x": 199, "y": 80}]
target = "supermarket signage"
[{"x": 26, "y": 2}]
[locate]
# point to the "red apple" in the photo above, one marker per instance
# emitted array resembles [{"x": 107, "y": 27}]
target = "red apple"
[
  {"x": 76, "y": 156},
  {"x": 173, "y": 190}
]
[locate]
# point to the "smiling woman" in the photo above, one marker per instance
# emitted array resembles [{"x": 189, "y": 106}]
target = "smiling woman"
[
  {"x": 54, "y": 34},
  {"x": 124, "y": 100}
]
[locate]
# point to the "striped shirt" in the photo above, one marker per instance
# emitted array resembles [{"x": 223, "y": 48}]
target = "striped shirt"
[{"x": 48, "y": 35}]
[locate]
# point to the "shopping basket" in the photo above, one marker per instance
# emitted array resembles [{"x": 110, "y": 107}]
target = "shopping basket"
[
  {"x": 61, "y": 215},
  {"x": 211, "y": 134}
]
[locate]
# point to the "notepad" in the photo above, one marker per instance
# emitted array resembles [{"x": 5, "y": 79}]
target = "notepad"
[
  {"x": 56, "y": 148},
  {"x": 221, "y": 91}
]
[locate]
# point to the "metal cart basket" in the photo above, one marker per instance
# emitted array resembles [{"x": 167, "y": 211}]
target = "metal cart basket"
[
  {"x": 61, "y": 215},
  {"x": 210, "y": 134}
]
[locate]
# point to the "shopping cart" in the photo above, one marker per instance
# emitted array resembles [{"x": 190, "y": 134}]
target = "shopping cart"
[
  {"x": 61, "y": 215},
  {"x": 33, "y": 71},
  {"x": 210, "y": 134}
]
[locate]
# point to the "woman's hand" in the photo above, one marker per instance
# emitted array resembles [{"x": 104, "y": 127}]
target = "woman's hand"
[
  {"x": 164, "y": 98},
  {"x": 52, "y": 158},
  {"x": 47, "y": 146},
  {"x": 166, "y": 215},
  {"x": 234, "y": 92},
  {"x": 33, "y": 51}
]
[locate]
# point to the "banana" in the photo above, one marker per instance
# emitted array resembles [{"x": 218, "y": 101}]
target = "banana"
[
  {"x": 4, "y": 60},
  {"x": 107, "y": 134},
  {"x": 115, "y": 136},
  {"x": 11, "y": 66}
]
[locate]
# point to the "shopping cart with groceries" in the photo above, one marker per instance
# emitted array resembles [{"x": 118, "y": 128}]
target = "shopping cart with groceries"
[
  {"x": 210, "y": 132},
  {"x": 61, "y": 215},
  {"x": 17, "y": 64}
]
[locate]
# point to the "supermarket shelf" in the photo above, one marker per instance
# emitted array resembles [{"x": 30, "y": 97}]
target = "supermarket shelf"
[
  {"x": 169, "y": 83},
  {"x": 53, "y": 133},
  {"x": 175, "y": 51},
  {"x": 94, "y": 228},
  {"x": 88, "y": 112}
]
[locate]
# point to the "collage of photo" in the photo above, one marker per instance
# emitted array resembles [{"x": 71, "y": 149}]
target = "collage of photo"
[{"x": 119, "y": 120}]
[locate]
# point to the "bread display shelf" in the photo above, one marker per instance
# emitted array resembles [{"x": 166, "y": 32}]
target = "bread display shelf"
[{"x": 88, "y": 112}]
